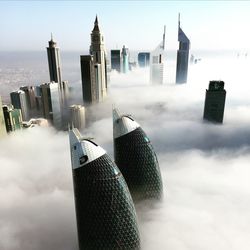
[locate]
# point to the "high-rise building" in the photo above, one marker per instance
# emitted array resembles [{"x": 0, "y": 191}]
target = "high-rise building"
[
  {"x": 2, "y": 121},
  {"x": 143, "y": 59},
  {"x": 51, "y": 103},
  {"x": 12, "y": 117},
  {"x": 105, "y": 213},
  {"x": 39, "y": 103},
  {"x": 116, "y": 60},
  {"x": 54, "y": 62},
  {"x": 156, "y": 62},
  {"x": 182, "y": 56},
  {"x": 77, "y": 116},
  {"x": 19, "y": 101},
  {"x": 215, "y": 102},
  {"x": 125, "y": 60},
  {"x": 31, "y": 99},
  {"x": 136, "y": 158}
]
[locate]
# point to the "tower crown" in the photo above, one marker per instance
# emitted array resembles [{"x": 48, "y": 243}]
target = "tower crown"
[{"x": 96, "y": 26}]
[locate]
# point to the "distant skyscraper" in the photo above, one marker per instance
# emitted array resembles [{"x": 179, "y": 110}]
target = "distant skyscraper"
[
  {"x": 143, "y": 59},
  {"x": 2, "y": 121},
  {"x": 77, "y": 116},
  {"x": 215, "y": 102},
  {"x": 31, "y": 99},
  {"x": 51, "y": 103},
  {"x": 54, "y": 62},
  {"x": 136, "y": 158},
  {"x": 182, "y": 56},
  {"x": 125, "y": 59},
  {"x": 105, "y": 213},
  {"x": 116, "y": 60},
  {"x": 156, "y": 64},
  {"x": 12, "y": 117},
  {"x": 19, "y": 101}
]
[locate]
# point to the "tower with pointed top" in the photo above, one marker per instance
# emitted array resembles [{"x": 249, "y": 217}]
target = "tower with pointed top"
[
  {"x": 54, "y": 61},
  {"x": 182, "y": 56}
]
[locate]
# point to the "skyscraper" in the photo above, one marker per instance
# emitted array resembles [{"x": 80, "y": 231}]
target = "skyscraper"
[
  {"x": 54, "y": 62},
  {"x": 215, "y": 102},
  {"x": 182, "y": 56},
  {"x": 19, "y": 101},
  {"x": 116, "y": 60},
  {"x": 143, "y": 59},
  {"x": 2, "y": 121},
  {"x": 31, "y": 99},
  {"x": 156, "y": 62},
  {"x": 77, "y": 116},
  {"x": 51, "y": 103},
  {"x": 12, "y": 117},
  {"x": 105, "y": 213},
  {"x": 125, "y": 59},
  {"x": 136, "y": 158}
]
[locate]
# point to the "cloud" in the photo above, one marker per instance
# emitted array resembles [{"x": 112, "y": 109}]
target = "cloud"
[{"x": 204, "y": 166}]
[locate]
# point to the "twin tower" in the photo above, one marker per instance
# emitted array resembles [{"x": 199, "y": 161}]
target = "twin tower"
[{"x": 106, "y": 216}]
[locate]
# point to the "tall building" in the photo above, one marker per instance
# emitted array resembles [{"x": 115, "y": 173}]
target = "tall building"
[
  {"x": 156, "y": 62},
  {"x": 136, "y": 158},
  {"x": 182, "y": 56},
  {"x": 12, "y": 117},
  {"x": 215, "y": 102},
  {"x": 116, "y": 60},
  {"x": 2, "y": 121},
  {"x": 31, "y": 99},
  {"x": 143, "y": 59},
  {"x": 19, "y": 101},
  {"x": 105, "y": 213},
  {"x": 77, "y": 116},
  {"x": 51, "y": 103},
  {"x": 54, "y": 62},
  {"x": 125, "y": 60}
]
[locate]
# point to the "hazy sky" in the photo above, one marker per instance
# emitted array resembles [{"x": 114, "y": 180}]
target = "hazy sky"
[{"x": 26, "y": 25}]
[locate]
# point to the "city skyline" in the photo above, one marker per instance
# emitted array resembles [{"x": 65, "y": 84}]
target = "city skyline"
[{"x": 219, "y": 19}]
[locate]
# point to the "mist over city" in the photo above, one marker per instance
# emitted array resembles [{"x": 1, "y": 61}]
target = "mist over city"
[{"x": 189, "y": 104}]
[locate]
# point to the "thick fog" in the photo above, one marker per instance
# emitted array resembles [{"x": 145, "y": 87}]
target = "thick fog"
[{"x": 205, "y": 167}]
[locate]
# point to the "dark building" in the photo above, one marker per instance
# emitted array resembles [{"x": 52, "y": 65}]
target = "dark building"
[
  {"x": 54, "y": 62},
  {"x": 215, "y": 102},
  {"x": 106, "y": 217},
  {"x": 136, "y": 158},
  {"x": 116, "y": 60},
  {"x": 31, "y": 99},
  {"x": 12, "y": 117},
  {"x": 143, "y": 59},
  {"x": 182, "y": 56}
]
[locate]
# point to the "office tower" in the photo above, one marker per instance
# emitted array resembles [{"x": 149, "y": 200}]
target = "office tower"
[
  {"x": 136, "y": 158},
  {"x": 64, "y": 93},
  {"x": 2, "y": 121},
  {"x": 156, "y": 62},
  {"x": 12, "y": 117},
  {"x": 51, "y": 103},
  {"x": 215, "y": 102},
  {"x": 182, "y": 56},
  {"x": 116, "y": 60},
  {"x": 39, "y": 103},
  {"x": 77, "y": 116},
  {"x": 54, "y": 62},
  {"x": 19, "y": 101},
  {"x": 125, "y": 63},
  {"x": 143, "y": 59},
  {"x": 97, "y": 50},
  {"x": 105, "y": 213},
  {"x": 31, "y": 99}
]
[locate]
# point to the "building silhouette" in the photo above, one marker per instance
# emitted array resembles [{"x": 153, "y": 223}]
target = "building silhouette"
[
  {"x": 19, "y": 101},
  {"x": 94, "y": 69},
  {"x": 12, "y": 117},
  {"x": 105, "y": 213},
  {"x": 2, "y": 121},
  {"x": 215, "y": 102},
  {"x": 125, "y": 60},
  {"x": 156, "y": 62},
  {"x": 54, "y": 62},
  {"x": 182, "y": 56},
  {"x": 143, "y": 59},
  {"x": 77, "y": 116},
  {"x": 50, "y": 97},
  {"x": 136, "y": 158},
  {"x": 116, "y": 60}
]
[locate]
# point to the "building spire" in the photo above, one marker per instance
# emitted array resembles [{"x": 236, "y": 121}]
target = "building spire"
[
  {"x": 51, "y": 35},
  {"x": 179, "y": 20},
  {"x": 96, "y": 20},
  {"x": 96, "y": 27}
]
